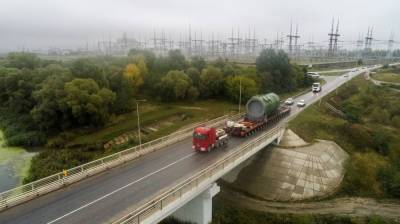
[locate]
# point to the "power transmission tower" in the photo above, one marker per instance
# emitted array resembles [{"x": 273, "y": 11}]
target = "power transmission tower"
[
  {"x": 333, "y": 38},
  {"x": 290, "y": 36},
  {"x": 336, "y": 37},
  {"x": 390, "y": 46},
  {"x": 368, "y": 39},
  {"x": 198, "y": 44},
  {"x": 360, "y": 43}
]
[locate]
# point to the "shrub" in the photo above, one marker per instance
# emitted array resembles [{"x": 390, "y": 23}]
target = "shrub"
[
  {"x": 360, "y": 136},
  {"x": 380, "y": 141},
  {"x": 362, "y": 174},
  {"x": 390, "y": 179}
]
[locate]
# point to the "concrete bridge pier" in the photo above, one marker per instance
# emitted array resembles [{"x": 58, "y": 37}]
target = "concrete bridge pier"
[
  {"x": 278, "y": 140},
  {"x": 198, "y": 210}
]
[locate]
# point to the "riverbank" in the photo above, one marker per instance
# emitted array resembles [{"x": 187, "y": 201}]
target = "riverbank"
[{"x": 14, "y": 164}]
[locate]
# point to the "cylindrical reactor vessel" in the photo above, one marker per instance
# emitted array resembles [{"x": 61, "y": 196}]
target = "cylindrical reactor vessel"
[{"x": 262, "y": 105}]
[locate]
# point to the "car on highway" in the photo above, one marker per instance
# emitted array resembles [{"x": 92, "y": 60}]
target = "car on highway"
[
  {"x": 314, "y": 75},
  {"x": 289, "y": 101},
  {"x": 346, "y": 75},
  {"x": 301, "y": 103}
]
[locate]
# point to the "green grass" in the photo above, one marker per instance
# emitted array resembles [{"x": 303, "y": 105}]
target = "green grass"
[
  {"x": 377, "y": 110},
  {"x": 154, "y": 114},
  {"x": 387, "y": 77}
]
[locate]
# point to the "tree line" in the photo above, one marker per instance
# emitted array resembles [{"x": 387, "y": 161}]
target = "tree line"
[{"x": 41, "y": 97}]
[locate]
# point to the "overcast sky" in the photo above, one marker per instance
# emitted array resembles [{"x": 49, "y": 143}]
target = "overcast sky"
[{"x": 70, "y": 23}]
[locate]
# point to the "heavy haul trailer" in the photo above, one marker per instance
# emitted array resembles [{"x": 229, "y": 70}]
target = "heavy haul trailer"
[{"x": 262, "y": 111}]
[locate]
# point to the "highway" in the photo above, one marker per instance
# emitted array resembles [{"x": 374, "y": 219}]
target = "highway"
[{"x": 112, "y": 194}]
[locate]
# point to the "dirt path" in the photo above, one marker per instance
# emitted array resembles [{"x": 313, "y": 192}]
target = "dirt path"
[{"x": 339, "y": 206}]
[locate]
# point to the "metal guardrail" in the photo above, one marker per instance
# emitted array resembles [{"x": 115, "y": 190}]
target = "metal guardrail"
[
  {"x": 195, "y": 181},
  {"x": 34, "y": 189}
]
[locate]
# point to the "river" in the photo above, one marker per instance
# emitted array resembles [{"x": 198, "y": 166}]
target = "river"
[{"x": 14, "y": 164}]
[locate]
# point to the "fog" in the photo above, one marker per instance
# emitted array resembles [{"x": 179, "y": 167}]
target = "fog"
[{"x": 73, "y": 23}]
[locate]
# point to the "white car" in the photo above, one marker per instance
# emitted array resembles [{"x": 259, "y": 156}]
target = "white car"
[
  {"x": 314, "y": 75},
  {"x": 301, "y": 103},
  {"x": 289, "y": 101},
  {"x": 346, "y": 75}
]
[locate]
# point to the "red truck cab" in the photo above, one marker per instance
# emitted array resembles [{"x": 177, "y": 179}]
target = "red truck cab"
[{"x": 204, "y": 138}]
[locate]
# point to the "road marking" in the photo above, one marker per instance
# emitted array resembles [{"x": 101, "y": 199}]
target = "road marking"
[
  {"x": 334, "y": 85},
  {"x": 121, "y": 188}
]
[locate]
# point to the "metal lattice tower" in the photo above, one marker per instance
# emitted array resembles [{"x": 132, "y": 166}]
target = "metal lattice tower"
[
  {"x": 390, "y": 46},
  {"x": 333, "y": 38},
  {"x": 293, "y": 38},
  {"x": 368, "y": 39}
]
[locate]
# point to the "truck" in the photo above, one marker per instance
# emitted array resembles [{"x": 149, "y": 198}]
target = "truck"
[
  {"x": 316, "y": 87},
  {"x": 262, "y": 111},
  {"x": 206, "y": 139}
]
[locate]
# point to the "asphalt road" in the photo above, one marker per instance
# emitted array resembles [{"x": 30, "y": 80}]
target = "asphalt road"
[{"x": 112, "y": 194}]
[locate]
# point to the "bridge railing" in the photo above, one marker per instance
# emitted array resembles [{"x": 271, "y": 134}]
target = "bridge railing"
[
  {"x": 212, "y": 172},
  {"x": 34, "y": 189}
]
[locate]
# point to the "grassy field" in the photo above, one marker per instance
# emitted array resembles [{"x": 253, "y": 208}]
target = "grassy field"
[
  {"x": 370, "y": 134},
  {"x": 387, "y": 77},
  {"x": 163, "y": 117}
]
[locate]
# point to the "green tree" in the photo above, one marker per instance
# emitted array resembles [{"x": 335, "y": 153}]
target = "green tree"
[
  {"x": 211, "y": 82},
  {"x": 174, "y": 86},
  {"x": 194, "y": 75},
  {"x": 249, "y": 87},
  {"x": 23, "y": 60},
  {"x": 85, "y": 68},
  {"x": 228, "y": 70},
  {"x": 87, "y": 103},
  {"x": 48, "y": 114},
  {"x": 198, "y": 62},
  {"x": 276, "y": 71},
  {"x": 176, "y": 60}
]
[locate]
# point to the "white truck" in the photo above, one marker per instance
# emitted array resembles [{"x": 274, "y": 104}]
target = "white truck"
[{"x": 316, "y": 87}]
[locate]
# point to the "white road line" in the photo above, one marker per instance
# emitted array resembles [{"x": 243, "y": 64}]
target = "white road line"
[{"x": 121, "y": 188}]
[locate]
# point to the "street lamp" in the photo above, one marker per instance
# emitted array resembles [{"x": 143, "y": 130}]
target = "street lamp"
[
  {"x": 138, "y": 121},
  {"x": 240, "y": 93}
]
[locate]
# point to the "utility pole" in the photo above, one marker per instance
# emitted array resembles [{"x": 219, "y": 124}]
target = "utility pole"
[
  {"x": 138, "y": 120},
  {"x": 240, "y": 93}
]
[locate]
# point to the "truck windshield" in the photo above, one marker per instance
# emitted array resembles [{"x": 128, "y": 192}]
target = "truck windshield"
[
  {"x": 315, "y": 85},
  {"x": 199, "y": 136}
]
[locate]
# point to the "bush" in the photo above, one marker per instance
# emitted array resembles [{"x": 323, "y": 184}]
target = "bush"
[
  {"x": 360, "y": 136},
  {"x": 396, "y": 121},
  {"x": 31, "y": 138},
  {"x": 390, "y": 178},
  {"x": 361, "y": 177},
  {"x": 380, "y": 140}
]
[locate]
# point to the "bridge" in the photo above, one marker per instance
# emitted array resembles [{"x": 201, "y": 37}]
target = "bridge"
[{"x": 143, "y": 184}]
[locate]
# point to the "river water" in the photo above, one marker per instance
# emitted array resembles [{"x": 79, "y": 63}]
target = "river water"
[{"x": 14, "y": 165}]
